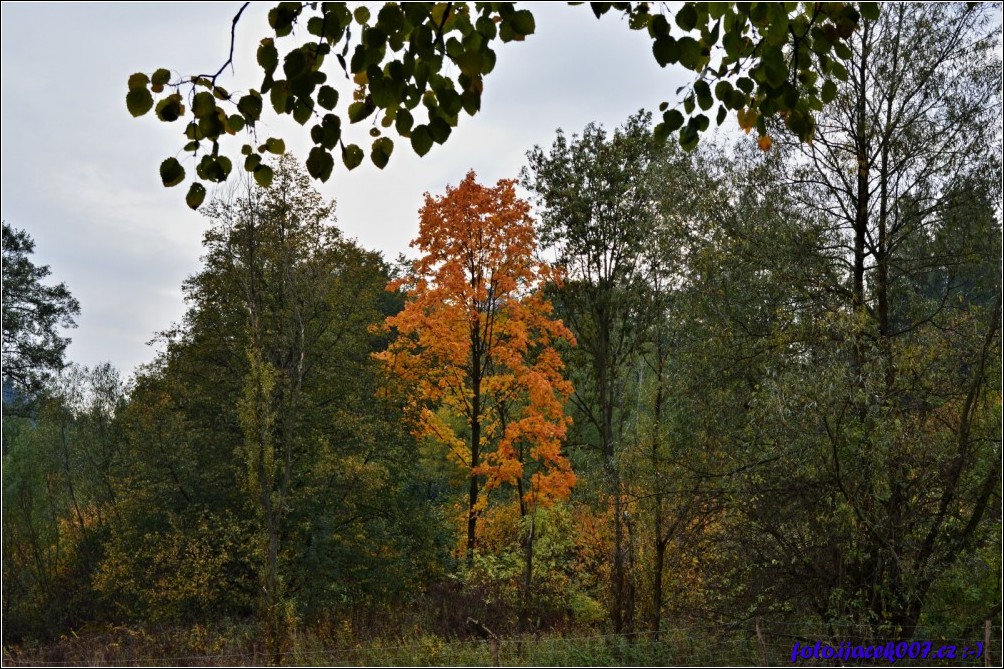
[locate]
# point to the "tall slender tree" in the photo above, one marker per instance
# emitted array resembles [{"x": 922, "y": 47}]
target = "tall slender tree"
[
  {"x": 477, "y": 338},
  {"x": 597, "y": 216}
]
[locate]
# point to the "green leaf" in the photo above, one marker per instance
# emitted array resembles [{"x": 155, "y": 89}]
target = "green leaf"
[
  {"x": 869, "y": 10},
  {"x": 138, "y": 81},
  {"x": 196, "y": 194},
  {"x": 206, "y": 168},
  {"x": 745, "y": 84},
  {"x": 171, "y": 172},
  {"x": 352, "y": 156},
  {"x": 250, "y": 106},
  {"x": 733, "y": 43},
  {"x": 327, "y": 97},
  {"x": 403, "y": 122},
  {"x": 522, "y": 22},
  {"x": 723, "y": 91},
  {"x": 829, "y": 91},
  {"x": 160, "y": 79},
  {"x": 469, "y": 62},
  {"x": 689, "y": 138},
  {"x": 775, "y": 68},
  {"x": 235, "y": 123},
  {"x": 212, "y": 125},
  {"x": 665, "y": 50},
  {"x": 440, "y": 130},
  {"x": 282, "y": 16},
  {"x": 703, "y": 92},
  {"x": 302, "y": 112},
  {"x": 224, "y": 166},
  {"x": 268, "y": 56},
  {"x": 315, "y": 26},
  {"x": 294, "y": 64},
  {"x": 737, "y": 100},
  {"x": 421, "y": 140},
  {"x": 263, "y": 176},
  {"x": 673, "y": 120},
  {"x": 690, "y": 52},
  {"x": 332, "y": 126},
  {"x": 686, "y": 18},
  {"x": 139, "y": 101},
  {"x": 252, "y": 162},
  {"x": 361, "y": 15},
  {"x": 639, "y": 19},
  {"x": 275, "y": 145},
  {"x": 279, "y": 95},
  {"x": 380, "y": 152},
  {"x": 320, "y": 163},
  {"x": 659, "y": 26},
  {"x": 360, "y": 110},
  {"x": 842, "y": 50},
  {"x": 203, "y": 104}
]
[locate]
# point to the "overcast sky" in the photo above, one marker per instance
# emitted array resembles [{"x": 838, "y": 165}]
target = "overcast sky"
[{"x": 81, "y": 175}]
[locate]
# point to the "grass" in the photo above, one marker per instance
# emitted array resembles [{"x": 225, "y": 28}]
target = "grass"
[{"x": 238, "y": 644}]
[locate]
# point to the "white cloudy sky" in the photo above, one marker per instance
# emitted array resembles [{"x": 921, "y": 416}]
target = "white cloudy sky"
[{"x": 81, "y": 175}]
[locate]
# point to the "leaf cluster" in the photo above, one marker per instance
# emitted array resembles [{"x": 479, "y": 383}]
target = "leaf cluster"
[{"x": 417, "y": 67}]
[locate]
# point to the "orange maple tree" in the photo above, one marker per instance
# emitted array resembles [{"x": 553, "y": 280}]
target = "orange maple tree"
[{"x": 476, "y": 339}]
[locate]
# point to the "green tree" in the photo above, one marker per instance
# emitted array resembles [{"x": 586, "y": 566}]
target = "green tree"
[
  {"x": 855, "y": 325},
  {"x": 60, "y": 485},
  {"x": 907, "y": 168},
  {"x": 762, "y": 59},
  {"x": 748, "y": 309},
  {"x": 248, "y": 429},
  {"x": 671, "y": 502},
  {"x": 595, "y": 201},
  {"x": 33, "y": 312}
]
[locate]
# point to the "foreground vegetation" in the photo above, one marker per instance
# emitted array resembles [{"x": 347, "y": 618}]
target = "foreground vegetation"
[{"x": 344, "y": 645}]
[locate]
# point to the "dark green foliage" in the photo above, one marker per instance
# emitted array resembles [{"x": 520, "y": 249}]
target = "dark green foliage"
[
  {"x": 328, "y": 479},
  {"x": 61, "y": 472},
  {"x": 32, "y": 314},
  {"x": 431, "y": 59}
]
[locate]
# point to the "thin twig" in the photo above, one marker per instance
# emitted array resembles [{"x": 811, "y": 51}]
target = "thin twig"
[{"x": 233, "y": 35}]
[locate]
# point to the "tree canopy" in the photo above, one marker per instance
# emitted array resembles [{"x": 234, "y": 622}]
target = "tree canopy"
[
  {"x": 476, "y": 338},
  {"x": 416, "y": 67},
  {"x": 33, "y": 312}
]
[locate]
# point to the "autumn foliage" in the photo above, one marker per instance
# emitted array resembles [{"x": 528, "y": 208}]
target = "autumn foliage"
[{"x": 477, "y": 339}]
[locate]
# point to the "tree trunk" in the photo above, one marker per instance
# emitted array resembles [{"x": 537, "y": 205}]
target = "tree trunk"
[{"x": 528, "y": 571}]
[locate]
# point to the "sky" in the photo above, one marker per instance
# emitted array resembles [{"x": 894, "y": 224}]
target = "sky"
[{"x": 81, "y": 175}]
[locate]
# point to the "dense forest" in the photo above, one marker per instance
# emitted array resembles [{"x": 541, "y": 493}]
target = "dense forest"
[{"x": 723, "y": 400}]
